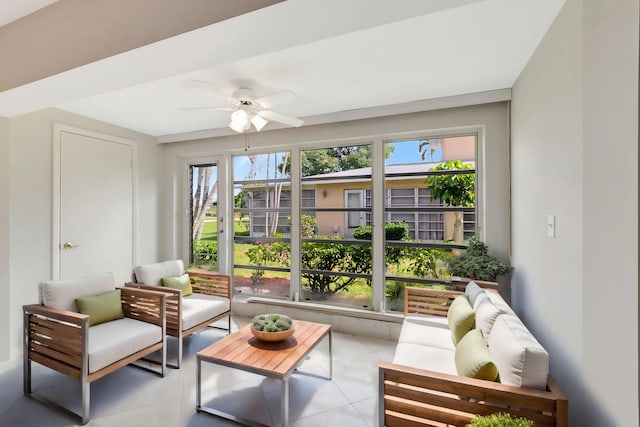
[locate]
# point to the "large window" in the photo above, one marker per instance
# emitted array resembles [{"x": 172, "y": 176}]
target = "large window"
[
  {"x": 429, "y": 210},
  {"x": 262, "y": 230},
  {"x": 336, "y": 256},
  {"x": 422, "y": 192}
]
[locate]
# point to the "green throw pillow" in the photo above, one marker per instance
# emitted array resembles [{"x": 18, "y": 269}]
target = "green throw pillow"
[
  {"x": 179, "y": 282},
  {"x": 461, "y": 318},
  {"x": 473, "y": 358},
  {"x": 101, "y": 308}
]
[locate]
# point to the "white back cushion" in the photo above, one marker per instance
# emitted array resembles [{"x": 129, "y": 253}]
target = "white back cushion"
[
  {"x": 486, "y": 315},
  {"x": 472, "y": 290},
  {"x": 61, "y": 294},
  {"x": 520, "y": 358},
  {"x": 152, "y": 274}
]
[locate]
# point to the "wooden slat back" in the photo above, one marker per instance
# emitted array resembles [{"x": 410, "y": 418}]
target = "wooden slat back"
[
  {"x": 210, "y": 283},
  {"x": 428, "y": 301}
]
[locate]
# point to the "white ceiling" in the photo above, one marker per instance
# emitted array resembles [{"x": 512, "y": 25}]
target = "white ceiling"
[
  {"x": 12, "y": 10},
  {"x": 336, "y": 55}
]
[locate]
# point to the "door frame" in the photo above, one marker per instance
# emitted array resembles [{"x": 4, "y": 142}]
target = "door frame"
[
  {"x": 56, "y": 248},
  {"x": 184, "y": 201}
]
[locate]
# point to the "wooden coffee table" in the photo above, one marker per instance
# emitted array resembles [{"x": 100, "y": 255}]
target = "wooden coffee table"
[{"x": 241, "y": 350}]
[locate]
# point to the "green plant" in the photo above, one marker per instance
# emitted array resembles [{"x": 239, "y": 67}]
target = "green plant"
[
  {"x": 476, "y": 263},
  {"x": 271, "y": 322},
  {"x": 453, "y": 189},
  {"x": 205, "y": 252},
  {"x": 398, "y": 230},
  {"x": 501, "y": 419}
]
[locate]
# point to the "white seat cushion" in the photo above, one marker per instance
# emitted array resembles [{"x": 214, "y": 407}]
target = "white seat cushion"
[
  {"x": 152, "y": 274},
  {"x": 426, "y": 331},
  {"x": 426, "y": 357},
  {"x": 117, "y": 339},
  {"x": 198, "y": 308},
  {"x": 62, "y": 294},
  {"x": 520, "y": 358}
]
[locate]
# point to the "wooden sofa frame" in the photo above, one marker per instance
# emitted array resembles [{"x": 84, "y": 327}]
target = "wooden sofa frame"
[
  {"x": 202, "y": 282},
  {"x": 417, "y": 397},
  {"x": 59, "y": 340}
]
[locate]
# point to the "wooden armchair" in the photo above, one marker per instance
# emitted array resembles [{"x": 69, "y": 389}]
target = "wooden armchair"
[
  {"x": 210, "y": 301},
  {"x": 57, "y": 336}
]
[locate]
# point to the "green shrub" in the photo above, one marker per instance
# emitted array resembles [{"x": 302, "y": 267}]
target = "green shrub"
[
  {"x": 393, "y": 231},
  {"x": 499, "y": 420},
  {"x": 205, "y": 252},
  {"x": 476, "y": 263}
]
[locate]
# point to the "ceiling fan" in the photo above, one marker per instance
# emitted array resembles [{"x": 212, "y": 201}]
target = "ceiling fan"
[{"x": 247, "y": 110}]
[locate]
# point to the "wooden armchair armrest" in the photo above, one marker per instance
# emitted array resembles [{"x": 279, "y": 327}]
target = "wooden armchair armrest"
[
  {"x": 428, "y": 301},
  {"x": 56, "y": 314},
  {"x": 407, "y": 392},
  {"x": 56, "y": 338},
  {"x": 210, "y": 283},
  {"x": 145, "y": 305}
]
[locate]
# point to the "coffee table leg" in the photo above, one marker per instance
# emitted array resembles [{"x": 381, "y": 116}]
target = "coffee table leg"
[
  {"x": 284, "y": 403},
  {"x": 198, "y": 385},
  {"x": 330, "y": 358}
]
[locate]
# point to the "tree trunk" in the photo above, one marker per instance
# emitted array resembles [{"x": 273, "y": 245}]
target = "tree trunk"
[
  {"x": 199, "y": 222},
  {"x": 457, "y": 228}
]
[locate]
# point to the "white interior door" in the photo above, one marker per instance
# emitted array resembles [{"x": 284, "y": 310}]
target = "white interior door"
[{"x": 94, "y": 177}]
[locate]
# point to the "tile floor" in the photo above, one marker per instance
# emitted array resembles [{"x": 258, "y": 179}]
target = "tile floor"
[{"x": 133, "y": 397}]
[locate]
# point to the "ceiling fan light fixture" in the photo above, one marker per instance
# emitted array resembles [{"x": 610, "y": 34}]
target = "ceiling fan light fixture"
[
  {"x": 258, "y": 122},
  {"x": 240, "y": 118}
]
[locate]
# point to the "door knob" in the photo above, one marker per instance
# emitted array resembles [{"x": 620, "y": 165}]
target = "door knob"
[{"x": 69, "y": 245}]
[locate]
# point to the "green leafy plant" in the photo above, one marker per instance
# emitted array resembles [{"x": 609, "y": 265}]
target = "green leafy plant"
[
  {"x": 501, "y": 419},
  {"x": 271, "y": 322},
  {"x": 476, "y": 263},
  {"x": 453, "y": 189}
]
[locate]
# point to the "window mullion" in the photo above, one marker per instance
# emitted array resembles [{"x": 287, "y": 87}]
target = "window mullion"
[{"x": 377, "y": 225}]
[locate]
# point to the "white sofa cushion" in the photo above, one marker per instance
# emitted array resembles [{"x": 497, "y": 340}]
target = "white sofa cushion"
[
  {"x": 115, "y": 340},
  {"x": 520, "y": 358},
  {"x": 425, "y": 357},
  {"x": 486, "y": 314},
  {"x": 497, "y": 300},
  {"x": 198, "y": 308},
  {"x": 61, "y": 294},
  {"x": 152, "y": 274},
  {"x": 473, "y": 291},
  {"x": 429, "y": 331}
]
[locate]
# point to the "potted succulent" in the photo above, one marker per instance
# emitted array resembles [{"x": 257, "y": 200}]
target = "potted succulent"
[
  {"x": 501, "y": 419},
  {"x": 272, "y": 327},
  {"x": 476, "y": 263}
]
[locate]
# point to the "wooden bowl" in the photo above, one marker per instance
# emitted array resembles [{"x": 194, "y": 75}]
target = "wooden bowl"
[{"x": 272, "y": 336}]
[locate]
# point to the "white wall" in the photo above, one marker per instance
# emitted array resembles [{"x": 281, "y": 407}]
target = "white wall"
[
  {"x": 574, "y": 155},
  {"x": 4, "y": 238},
  {"x": 492, "y": 118},
  {"x": 30, "y": 154}
]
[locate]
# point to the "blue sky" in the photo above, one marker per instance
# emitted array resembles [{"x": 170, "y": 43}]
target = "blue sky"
[{"x": 405, "y": 152}]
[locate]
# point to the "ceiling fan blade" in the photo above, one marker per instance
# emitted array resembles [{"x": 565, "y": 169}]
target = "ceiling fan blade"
[
  {"x": 280, "y": 118},
  {"x": 195, "y": 107},
  {"x": 268, "y": 101}
]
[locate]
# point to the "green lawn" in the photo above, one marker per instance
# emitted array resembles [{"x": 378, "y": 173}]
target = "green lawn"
[{"x": 210, "y": 229}]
